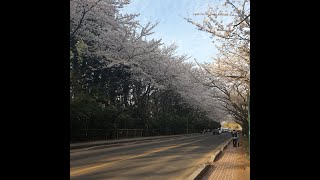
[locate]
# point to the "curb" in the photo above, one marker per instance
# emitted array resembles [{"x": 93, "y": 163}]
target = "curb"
[
  {"x": 200, "y": 171},
  {"x": 204, "y": 168},
  {"x": 89, "y": 146},
  {"x": 220, "y": 149}
]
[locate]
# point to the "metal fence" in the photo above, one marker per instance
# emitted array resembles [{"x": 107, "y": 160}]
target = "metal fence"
[{"x": 108, "y": 134}]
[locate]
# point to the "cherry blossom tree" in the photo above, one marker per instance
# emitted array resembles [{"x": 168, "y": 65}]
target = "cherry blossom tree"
[
  {"x": 120, "y": 78},
  {"x": 229, "y": 25}
]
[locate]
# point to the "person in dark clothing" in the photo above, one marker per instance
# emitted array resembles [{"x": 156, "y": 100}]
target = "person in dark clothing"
[
  {"x": 238, "y": 138},
  {"x": 234, "y": 138}
]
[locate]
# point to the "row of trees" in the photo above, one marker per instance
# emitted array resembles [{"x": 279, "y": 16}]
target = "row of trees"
[
  {"x": 229, "y": 25},
  {"x": 119, "y": 79}
]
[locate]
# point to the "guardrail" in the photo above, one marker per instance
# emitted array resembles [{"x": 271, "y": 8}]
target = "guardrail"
[
  {"x": 111, "y": 134},
  {"x": 121, "y": 141}
]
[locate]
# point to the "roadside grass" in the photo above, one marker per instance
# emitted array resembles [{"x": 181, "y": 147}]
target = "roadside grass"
[
  {"x": 245, "y": 145},
  {"x": 246, "y": 161}
]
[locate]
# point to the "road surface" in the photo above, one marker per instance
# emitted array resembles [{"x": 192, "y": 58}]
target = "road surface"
[{"x": 160, "y": 159}]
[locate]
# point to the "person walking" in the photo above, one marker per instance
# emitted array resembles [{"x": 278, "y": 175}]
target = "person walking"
[
  {"x": 234, "y": 138},
  {"x": 238, "y": 139}
]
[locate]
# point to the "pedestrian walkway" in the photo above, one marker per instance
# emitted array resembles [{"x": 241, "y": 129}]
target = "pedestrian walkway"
[{"x": 232, "y": 165}]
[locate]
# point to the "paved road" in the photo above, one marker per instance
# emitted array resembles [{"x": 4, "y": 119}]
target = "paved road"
[{"x": 165, "y": 159}]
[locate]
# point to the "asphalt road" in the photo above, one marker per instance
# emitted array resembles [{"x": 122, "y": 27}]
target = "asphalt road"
[{"x": 166, "y": 159}]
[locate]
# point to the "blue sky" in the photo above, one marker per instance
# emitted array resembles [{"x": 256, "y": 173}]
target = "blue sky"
[{"x": 173, "y": 28}]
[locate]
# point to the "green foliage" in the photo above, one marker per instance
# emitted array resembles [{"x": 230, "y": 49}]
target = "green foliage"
[
  {"x": 100, "y": 110},
  {"x": 109, "y": 99}
]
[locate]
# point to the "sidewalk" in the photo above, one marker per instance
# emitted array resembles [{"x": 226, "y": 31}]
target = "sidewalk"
[{"x": 232, "y": 165}]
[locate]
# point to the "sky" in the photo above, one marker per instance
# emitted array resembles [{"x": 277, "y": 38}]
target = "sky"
[{"x": 173, "y": 28}]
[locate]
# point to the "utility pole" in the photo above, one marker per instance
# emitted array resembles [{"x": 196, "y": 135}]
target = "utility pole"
[{"x": 249, "y": 121}]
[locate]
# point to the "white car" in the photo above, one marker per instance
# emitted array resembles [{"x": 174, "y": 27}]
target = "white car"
[
  {"x": 216, "y": 131},
  {"x": 224, "y": 130}
]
